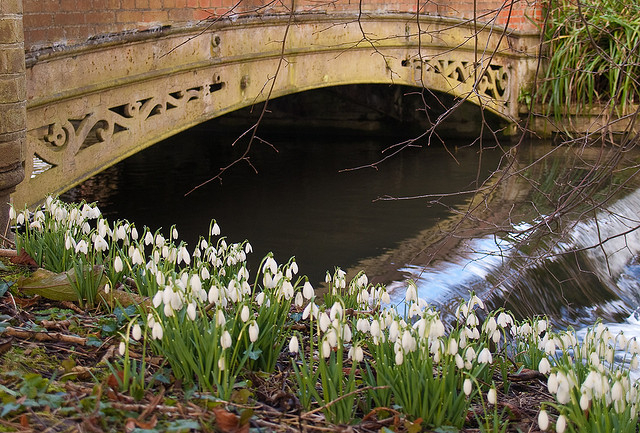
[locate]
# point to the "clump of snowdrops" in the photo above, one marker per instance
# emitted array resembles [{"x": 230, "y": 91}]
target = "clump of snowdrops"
[{"x": 353, "y": 353}]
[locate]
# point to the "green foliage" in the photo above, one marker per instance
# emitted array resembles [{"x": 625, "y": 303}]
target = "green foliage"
[{"x": 594, "y": 55}]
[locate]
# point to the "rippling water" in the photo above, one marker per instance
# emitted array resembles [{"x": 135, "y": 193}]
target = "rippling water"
[{"x": 296, "y": 199}]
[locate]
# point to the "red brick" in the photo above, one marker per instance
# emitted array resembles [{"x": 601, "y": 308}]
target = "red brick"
[
  {"x": 181, "y": 15},
  {"x": 99, "y": 17},
  {"x": 128, "y": 17},
  {"x": 69, "y": 19},
  {"x": 128, "y": 4},
  {"x": 41, "y": 5},
  {"x": 168, "y": 4},
  {"x": 33, "y": 21},
  {"x": 155, "y": 4},
  {"x": 142, "y": 4},
  {"x": 155, "y": 16}
]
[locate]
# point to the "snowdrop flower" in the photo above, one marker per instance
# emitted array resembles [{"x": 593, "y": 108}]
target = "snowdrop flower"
[
  {"x": 544, "y": 367},
  {"x": 148, "y": 238},
  {"x": 221, "y": 363},
  {"x": 100, "y": 244},
  {"x": 107, "y": 288},
  {"x": 356, "y": 353},
  {"x": 299, "y": 300},
  {"x": 191, "y": 311},
  {"x": 485, "y": 356},
  {"x": 215, "y": 229},
  {"x": 82, "y": 247},
  {"x": 492, "y": 396},
  {"x": 307, "y": 290},
  {"x": 561, "y": 424},
  {"x": 156, "y": 331},
  {"x": 254, "y": 330},
  {"x": 248, "y": 248},
  {"x": 293, "y": 345},
  {"x": 136, "y": 332},
  {"x": 260, "y": 298},
  {"x": 134, "y": 234},
  {"x": 324, "y": 321},
  {"x": 399, "y": 357},
  {"x": 225, "y": 340},
  {"x": 136, "y": 258},
  {"x": 504, "y": 319},
  {"x": 543, "y": 420},
  {"x": 467, "y": 387},
  {"x": 117, "y": 264},
  {"x": 412, "y": 293},
  {"x": 244, "y": 314},
  {"x": 326, "y": 349},
  {"x": 121, "y": 348}
]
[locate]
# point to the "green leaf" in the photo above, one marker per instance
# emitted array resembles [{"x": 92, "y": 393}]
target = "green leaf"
[
  {"x": 93, "y": 341},
  {"x": 182, "y": 425},
  {"x": 253, "y": 354},
  {"x": 4, "y": 286}
]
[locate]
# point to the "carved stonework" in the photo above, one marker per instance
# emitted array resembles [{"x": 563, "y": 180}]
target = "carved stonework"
[{"x": 489, "y": 83}]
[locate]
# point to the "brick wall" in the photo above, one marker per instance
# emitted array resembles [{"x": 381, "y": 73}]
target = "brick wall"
[{"x": 70, "y": 22}]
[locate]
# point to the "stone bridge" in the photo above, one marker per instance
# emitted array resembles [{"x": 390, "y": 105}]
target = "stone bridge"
[{"x": 103, "y": 82}]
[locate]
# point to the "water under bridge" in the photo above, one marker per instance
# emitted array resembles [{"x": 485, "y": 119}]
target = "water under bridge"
[{"x": 101, "y": 85}]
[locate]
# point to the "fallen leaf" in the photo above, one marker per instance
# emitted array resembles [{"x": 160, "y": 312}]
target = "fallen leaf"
[
  {"x": 526, "y": 374},
  {"x": 24, "y": 259},
  {"x": 133, "y": 423},
  {"x": 5, "y": 344},
  {"x": 228, "y": 422}
]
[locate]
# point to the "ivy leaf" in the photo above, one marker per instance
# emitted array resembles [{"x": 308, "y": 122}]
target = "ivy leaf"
[
  {"x": 253, "y": 354},
  {"x": 4, "y": 287}
]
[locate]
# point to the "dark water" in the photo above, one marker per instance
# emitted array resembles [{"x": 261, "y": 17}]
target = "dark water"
[
  {"x": 296, "y": 201},
  {"x": 296, "y": 198}
]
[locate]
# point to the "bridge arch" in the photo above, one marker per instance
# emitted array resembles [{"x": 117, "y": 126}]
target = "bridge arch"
[{"x": 90, "y": 108}]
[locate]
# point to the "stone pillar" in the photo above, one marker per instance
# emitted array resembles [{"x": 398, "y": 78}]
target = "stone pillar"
[{"x": 13, "y": 103}]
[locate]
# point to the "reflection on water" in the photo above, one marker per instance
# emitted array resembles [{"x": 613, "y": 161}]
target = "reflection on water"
[
  {"x": 299, "y": 202},
  {"x": 295, "y": 199}
]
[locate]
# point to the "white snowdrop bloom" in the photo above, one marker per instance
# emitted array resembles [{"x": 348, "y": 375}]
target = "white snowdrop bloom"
[
  {"x": 542, "y": 326},
  {"x": 543, "y": 420},
  {"x": 362, "y": 325},
  {"x": 563, "y": 394},
  {"x": 37, "y": 225},
  {"x": 191, "y": 311},
  {"x": 472, "y": 320},
  {"x": 168, "y": 310},
  {"x": 326, "y": 349},
  {"x": 385, "y": 299},
  {"x": 550, "y": 347},
  {"x": 82, "y": 247},
  {"x": 399, "y": 357},
  {"x": 244, "y": 314},
  {"x": 195, "y": 283},
  {"x": 617, "y": 392},
  {"x": 414, "y": 310},
  {"x": 20, "y": 219},
  {"x": 332, "y": 337},
  {"x": 336, "y": 311},
  {"x": 120, "y": 233},
  {"x": 484, "y": 357},
  {"x": 476, "y": 301},
  {"x": 492, "y": 396},
  {"x": 134, "y": 234},
  {"x": 160, "y": 278},
  {"x": 467, "y": 387},
  {"x": 225, "y": 340},
  {"x": 584, "y": 401},
  {"x": 215, "y": 229},
  {"x": 307, "y": 290},
  {"x": 288, "y": 274},
  {"x": 394, "y": 331},
  {"x": 552, "y": 383},
  {"x": 375, "y": 328},
  {"x": 609, "y": 355},
  {"x": 121, "y": 348},
  {"x": 412, "y": 293},
  {"x": 159, "y": 240},
  {"x": 544, "y": 367},
  {"x": 157, "y": 298},
  {"x": 561, "y": 424},
  {"x": 156, "y": 331},
  {"x": 136, "y": 332},
  {"x": 287, "y": 289},
  {"x": 324, "y": 321},
  {"x": 453, "y": 347},
  {"x": 183, "y": 255},
  {"x": 357, "y": 354},
  {"x": 148, "y": 238},
  {"x": 69, "y": 243},
  {"x": 102, "y": 228},
  {"x": 307, "y": 311},
  {"x": 495, "y": 337},
  {"x": 299, "y": 300},
  {"x": 136, "y": 258},
  {"x": 248, "y": 248},
  {"x": 204, "y": 273},
  {"x": 12, "y": 213},
  {"x": 470, "y": 354},
  {"x": 221, "y": 363},
  {"x": 107, "y": 288},
  {"x": 254, "y": 331},
  {"x": 524, "y": 330},
  {"x": 117, "y": 264},
  {"x": 594, "y": 359},
  {"x": 221, "y": 320},
  {"x": 260, "y": 298},
  {"x": 293, "y": 345},
  {"x": 408, "y": 342},
  {"x": 490, "y": 325},
  {"x": 459, "y": 361},
  {"x": 504, "y": 319}
]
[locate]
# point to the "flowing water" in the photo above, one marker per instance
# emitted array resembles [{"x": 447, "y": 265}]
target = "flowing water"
[{"x": 295, "y": 198}]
